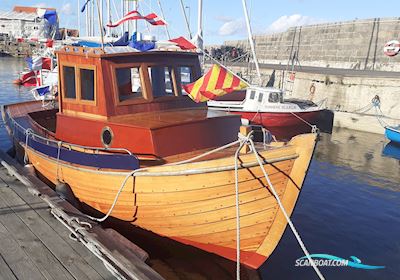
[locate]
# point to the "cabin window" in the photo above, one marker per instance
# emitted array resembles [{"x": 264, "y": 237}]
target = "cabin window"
[
  {"x": 274, "y": 97},
  {"x": 260, "y": 97},
  {"x": 87, "y": 84},
  {"x": 69, "y": 81},
  {"x": 128, "y": 83},
  {"x": 161, "y": 81},
  {"x": 184, "y": 76},
  {"x": 252, "y": 94}
]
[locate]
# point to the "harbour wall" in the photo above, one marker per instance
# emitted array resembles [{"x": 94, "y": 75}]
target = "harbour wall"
[{"x": 356, "y": 44}]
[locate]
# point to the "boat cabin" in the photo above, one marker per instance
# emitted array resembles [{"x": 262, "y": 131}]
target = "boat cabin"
[{"x": 119, "y": 98}]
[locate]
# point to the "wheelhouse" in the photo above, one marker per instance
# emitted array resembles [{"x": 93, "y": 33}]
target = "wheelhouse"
[{"x": 134, "y": 100}]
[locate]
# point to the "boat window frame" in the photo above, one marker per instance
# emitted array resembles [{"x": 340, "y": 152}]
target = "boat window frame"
[
  {"x": 147, "y": 95},
  {"x": 179, "y": 81},
  {"x": 78, "y": 96},
  {"x": 175, "y": 88}
]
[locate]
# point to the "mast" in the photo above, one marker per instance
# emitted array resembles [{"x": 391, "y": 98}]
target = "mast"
[
  {"x": 135, "y": 7},
  {"x": 79, "y": 17},
  {"x": 87, "y": 22},
  {"x": 253, "y": 50},
  {"x": 109, "y": 16},
  {"x": 186, "y": 19},
  {"x": 200, "y": 24},
  {"x": 163, "y": 16}
]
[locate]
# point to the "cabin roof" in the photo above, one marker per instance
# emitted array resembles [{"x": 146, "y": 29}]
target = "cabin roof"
[{"x": 110, "y": 52}]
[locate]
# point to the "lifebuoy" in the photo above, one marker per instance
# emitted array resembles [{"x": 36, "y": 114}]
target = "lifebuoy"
[{"x": 391, "y": 48}]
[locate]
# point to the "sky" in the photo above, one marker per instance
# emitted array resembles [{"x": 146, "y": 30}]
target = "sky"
[{"x": 224, "y": 20}]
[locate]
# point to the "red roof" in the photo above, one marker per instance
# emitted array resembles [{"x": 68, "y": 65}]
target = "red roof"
[{"x": 29, "y": 10}]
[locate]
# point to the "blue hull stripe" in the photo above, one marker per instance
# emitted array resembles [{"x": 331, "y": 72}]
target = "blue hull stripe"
[{"x": 109, "y": 161}]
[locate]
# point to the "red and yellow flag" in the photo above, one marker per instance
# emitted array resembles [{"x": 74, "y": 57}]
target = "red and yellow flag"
[{"x": 217, "y": 82}]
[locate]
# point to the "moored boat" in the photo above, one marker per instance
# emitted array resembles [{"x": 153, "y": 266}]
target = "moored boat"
[
  {"x": 123, "y": 124},
  {"x": 267, "y": 107},
  {"x": 393, "y": 133}
]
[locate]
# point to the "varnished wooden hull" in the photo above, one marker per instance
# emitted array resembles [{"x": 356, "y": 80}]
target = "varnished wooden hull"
[{"x": 199, "y": 209}]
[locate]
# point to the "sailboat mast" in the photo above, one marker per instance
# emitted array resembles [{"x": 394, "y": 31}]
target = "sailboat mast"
[
  {"x": 186, "y": 19},
  {"x": 253, "y": 50},
  {"x": 135, "y": 7},
  {"x": 109, "y": 17},
  {"x": 163, "y": 16},
  {"x": 200, "y": 24}
]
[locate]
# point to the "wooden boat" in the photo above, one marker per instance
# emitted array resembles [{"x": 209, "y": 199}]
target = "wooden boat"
[
  {"x": 266, "y": 106},
  {"x": 152, "y": 126},
  {"x": 393, "y": 133}
]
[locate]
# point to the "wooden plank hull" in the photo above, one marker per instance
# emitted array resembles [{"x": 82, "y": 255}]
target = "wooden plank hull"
[{"x": 199, "y": 209}]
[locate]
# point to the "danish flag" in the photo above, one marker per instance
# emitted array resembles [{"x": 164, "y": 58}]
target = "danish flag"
[{"x": 152, "y": 18}]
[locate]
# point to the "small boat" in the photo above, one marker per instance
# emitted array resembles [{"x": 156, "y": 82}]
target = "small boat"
[
  {"x": 393, "y": 133},
  {"x": 266, "y": 106},
  {"x": 121, "y": 138}
]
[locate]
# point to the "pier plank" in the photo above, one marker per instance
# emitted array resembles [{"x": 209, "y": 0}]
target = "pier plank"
[
  {"x": 37, "y": 251},
  {"x": 17, "y": 259},
  {"x": 85, "y": 255},
  {"x": 72, "y": 262},
  {"x": 6, "y": 272}
]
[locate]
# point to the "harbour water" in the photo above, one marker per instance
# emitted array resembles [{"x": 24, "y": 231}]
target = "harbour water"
[{"x": 349, "y": 206}]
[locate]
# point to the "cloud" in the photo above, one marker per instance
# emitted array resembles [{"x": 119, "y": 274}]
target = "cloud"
[
  {"x": 66, "y": 9},
  {"x": 232, "y": 27},
  {"x": 284, "y": 22}
]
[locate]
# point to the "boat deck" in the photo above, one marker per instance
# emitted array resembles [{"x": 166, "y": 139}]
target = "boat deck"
[{"x": 35, "y": 245}]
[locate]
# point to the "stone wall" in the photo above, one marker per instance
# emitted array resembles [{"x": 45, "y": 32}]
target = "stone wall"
[{"x": 354, "y": 44}]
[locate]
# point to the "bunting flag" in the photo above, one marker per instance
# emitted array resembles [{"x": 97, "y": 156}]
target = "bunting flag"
[
  {"x": 38, "y": 63},
  {"x": 152, "y": 18},
  {"x": 217, "y": 82}
]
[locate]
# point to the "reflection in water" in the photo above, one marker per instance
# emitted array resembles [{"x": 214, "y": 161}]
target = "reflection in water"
[
  {"x": 362, "y": 153},
  {"x": 392, "y": 150}
]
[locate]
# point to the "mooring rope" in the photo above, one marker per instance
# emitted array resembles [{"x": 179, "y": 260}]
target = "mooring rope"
[
  {"x": 242, "y": 140},
  {"x": 292, "y": 227},
  {"x": 314, "y": 128}
]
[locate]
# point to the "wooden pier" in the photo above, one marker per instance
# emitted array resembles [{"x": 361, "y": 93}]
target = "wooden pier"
[{"x": 44, "y": 237}]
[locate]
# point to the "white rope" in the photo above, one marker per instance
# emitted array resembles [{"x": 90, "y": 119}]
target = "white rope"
[
  {"x": 143, "y": 169},
  {"x": 243, "y": 141},
  {"x": 314, "y": 128},
  {"x": 292, "y": 227}
]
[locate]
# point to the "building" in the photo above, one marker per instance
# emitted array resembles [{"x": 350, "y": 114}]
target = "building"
[{"x": 29, "y": 23}]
